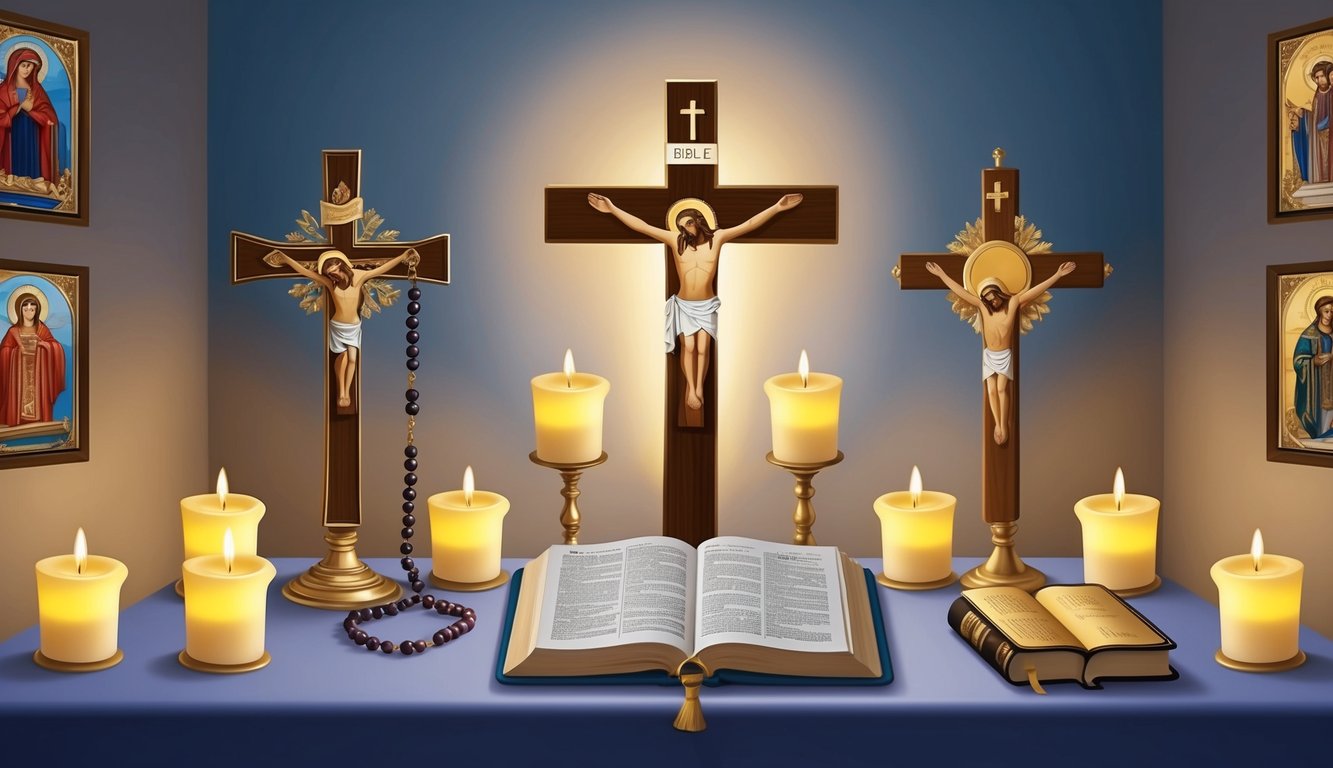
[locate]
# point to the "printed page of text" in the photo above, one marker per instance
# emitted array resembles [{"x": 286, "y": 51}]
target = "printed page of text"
[
  {"x": 1096, "y": 618},
  {"x": 1020, "y": 616}
]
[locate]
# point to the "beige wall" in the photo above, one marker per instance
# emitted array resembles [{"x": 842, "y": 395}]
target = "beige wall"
[
  {"x": 148, "y": 354},
  {"x": 1219, "y": 485}
]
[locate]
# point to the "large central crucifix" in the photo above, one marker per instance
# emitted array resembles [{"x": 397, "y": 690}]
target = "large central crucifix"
[
  {"x": 341, "y": 260},
  {"x": 998, "y": 276},
  {"x": 675, "y": 215}
]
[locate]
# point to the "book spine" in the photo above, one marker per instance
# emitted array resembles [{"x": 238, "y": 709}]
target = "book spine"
[{"x": 984, "y": 637}]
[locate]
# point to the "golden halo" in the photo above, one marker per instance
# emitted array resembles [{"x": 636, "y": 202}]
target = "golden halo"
[
  {"x": 41, "y": 73},
  {"x": 1308, "y": 74},
  {"x": 1315, "y": 296},
  {"x": 334, "y": 254},
  {"x": 690, "y": 202},
  {"x": 19, "y": 291},
  {"x": 998, "y": 260}
]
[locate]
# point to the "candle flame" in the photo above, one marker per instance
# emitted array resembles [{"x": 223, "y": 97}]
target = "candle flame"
[
  {"x": 469, "y": 485},
  {"x": 569, "y": 368},
  {"x": 1119, "y": 488},
  {"x": 228, "y": 548},
  {"x": 222, "y": 488},
  {"x": 1257, "y": 549},
  {"x": 80, "y": 551},
  {"x": 915, "y": 485},
  {"x": 804, "y": 369}
]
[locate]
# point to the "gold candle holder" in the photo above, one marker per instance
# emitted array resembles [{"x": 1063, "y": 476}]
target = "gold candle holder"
[
  {"x": 570, "y": 519},
  {"x": 1004, "y": 568},
  {"x": 804, "y": 516}
]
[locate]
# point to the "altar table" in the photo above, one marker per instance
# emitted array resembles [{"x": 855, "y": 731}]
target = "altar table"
[{"x": 325, "y": 699}]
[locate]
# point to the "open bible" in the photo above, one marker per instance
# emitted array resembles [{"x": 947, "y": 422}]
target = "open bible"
[
  {"x": 653, "y": 603},
  {"x": 1082, "y": 633}
]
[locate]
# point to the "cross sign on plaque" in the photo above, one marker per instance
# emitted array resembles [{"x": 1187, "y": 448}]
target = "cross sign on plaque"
[
  {"x": 998, "y": 276},
  {"x": 342, "y": 266},
  {"x": 692, "y": 217}
]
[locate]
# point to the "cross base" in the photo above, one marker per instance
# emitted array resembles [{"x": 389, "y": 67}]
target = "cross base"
[
  {"x": 1004, "y": 568},
  {"x": 341, "y": 581}
]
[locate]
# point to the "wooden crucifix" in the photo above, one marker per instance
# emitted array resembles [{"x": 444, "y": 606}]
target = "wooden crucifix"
[
  {"x": 341, "y": 259},
  {"x": 998, "y": 275},
  {"x": 674, "y": 215}
]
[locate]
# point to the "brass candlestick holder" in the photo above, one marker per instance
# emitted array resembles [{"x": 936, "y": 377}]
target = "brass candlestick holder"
[
  {"x": 570, "y": 519},
  {"x": 341, "y": 581},
  {"x": 1004, "y": 568},
  {"x": 804, "y": 516}
]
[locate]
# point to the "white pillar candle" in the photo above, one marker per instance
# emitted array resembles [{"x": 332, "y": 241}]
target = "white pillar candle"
[
  {"x": 916, "y": 529},
  {"x": 1119, "y": 537},
  {"x": 226, "y": 600},
  {"x": 466, "y": 528},
  {"x": 204, "y": 519},
  {"x": 1259, "y": 599},
  {"x": 78, "y": 605},
  {"x": 804, "y": 411},
  {"x": 567, "y": 409}
]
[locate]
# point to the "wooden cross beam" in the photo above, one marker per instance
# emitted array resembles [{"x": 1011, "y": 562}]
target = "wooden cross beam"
[{"x": 689, "y": 488}]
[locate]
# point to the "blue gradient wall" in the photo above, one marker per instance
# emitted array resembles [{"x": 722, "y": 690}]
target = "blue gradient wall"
[{"x": 466, "y": 112}]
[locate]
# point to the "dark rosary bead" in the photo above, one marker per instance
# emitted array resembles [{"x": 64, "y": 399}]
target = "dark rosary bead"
[
  {"x": 406, "y": 549},
  {"x": 413, "y": 337},
  {"x": 410, "y": 451},
  {"x": 413, "y": 321},
  {"x": 413, "y": 573},
  {"x": 391, "y": 609},
  {"x": 456, "y": 610},
  {"x": 403, "y": 604},
  {"x": 407, "y": 533},
  {"x": 363, "y": 614},
  {"x": 427, "y": 601},
  {"x": 407, "y": 562},
  {"x": 413, "y": 364},
  {"x": 406, "y": 648},
  {"x": 386, "y": 646},
  {"x": 419, "y": 645},
  {"x": 410, "y": 478},
  {"x": 469, "y": 622},
  {"x": 413, "y": 350},
  {"x": 412, "y": 409},
  {"x": 413, "y": 307},
  {"x": 361, "y": 638},
  {"x": 372, "y": 643},
  {"x": 409, "y": 521},
  {"x": 409, "y": 507},
  {"x": 410, "y": 465},
  {"x": 417, "y": 586},
  {"x": 348, "y": 623},
  {"x": 377, "y": 612},
  {"x": 442, "y": 607},
  {"x": 414, "y": 294},
  {"x": 409, "y": 494},
  {"x": 412, "y": 395},
  {"x": 439, "y": 638},
  {"x": 416, "y": 599},
  {"x": 355, "y": 613}
]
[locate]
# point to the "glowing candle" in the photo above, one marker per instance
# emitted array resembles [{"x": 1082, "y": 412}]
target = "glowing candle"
[
  {"x": 916, "y": 529},
  {"x": 804, "y": 410},
  {"x": 1259, "y": 598},
  {"x": 567, "y": 409},
  {"x": 1119, "y": 538},
  {"x": 78, "y": 605},
  {"x": 465, "y": 532},
  {"x": 206, "y": 516},
  {"x": 225, "y": 605}
]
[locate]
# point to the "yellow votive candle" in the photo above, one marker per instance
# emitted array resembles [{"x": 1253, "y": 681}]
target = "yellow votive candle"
[
  {"x": 1260, "y": 606},
  {"x": 804, "y": 410},
  {"x": 916, "y": 530},
  {"x": 466, "y": 528},
  {"x": 204, "y": 519},
  {"x": 567, "y": 409},
  {"x": 78, "y": 605},
  {"x": 225, "y": 608},
  {"x": 1119, "y": 538}
]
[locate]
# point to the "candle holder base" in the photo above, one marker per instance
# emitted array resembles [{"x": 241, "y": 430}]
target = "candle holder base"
[
  {"x": 1004, "y": 568},
  {"x": 180, "y": 588},
  {"x": 1138, "y": 591},
  {"x": 469, "y": 586},
  {"x": 46, "y": 662},
  {"x": 570, "y": 519},
  {"x": 1268, "y": 666},
  {"x": 189, "y": 662},
  {"x": 916, "y": 586},
  {"x": 804, "y": 516},
  {"x": 341, "y": 581}
]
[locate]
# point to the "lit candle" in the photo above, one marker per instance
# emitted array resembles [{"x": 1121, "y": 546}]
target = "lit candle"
[
  {"x": 804, "y": 410},
  {"x": 567, "y": 408},
  {"x": 1259, "y": 597},
  {"x": 205, "y": 517},
  {"x": 225, "y": 603},
  {"x": 465, "y": 532},
  {"x": 78, "y": 605},
  {"x": 1119, "y": 538},
  {"x": 916, "y": 529}
]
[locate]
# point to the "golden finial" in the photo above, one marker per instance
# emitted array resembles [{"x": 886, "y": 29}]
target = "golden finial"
[{"x": 998, "y": 154}]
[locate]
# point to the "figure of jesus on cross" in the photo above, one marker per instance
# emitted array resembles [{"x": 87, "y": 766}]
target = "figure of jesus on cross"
[{"x": 696, "y": 246}]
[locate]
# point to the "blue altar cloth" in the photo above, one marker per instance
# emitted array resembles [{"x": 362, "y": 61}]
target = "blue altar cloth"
[{"x": 323, "y": 698}]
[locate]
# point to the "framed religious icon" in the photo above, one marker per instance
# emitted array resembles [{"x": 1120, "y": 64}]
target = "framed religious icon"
[
  {"x": 1300, "y": 363},
  {"x": 43, "y": 120},
  {"x": 43, "y": 364},
  {"x": 1300, "y": 103}
]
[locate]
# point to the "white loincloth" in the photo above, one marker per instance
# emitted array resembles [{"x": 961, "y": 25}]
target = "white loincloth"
[
  {"x": 993, "y": 362},
  {"x": 344, "y": 335},
  {"x": 684, "y": 317}
]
